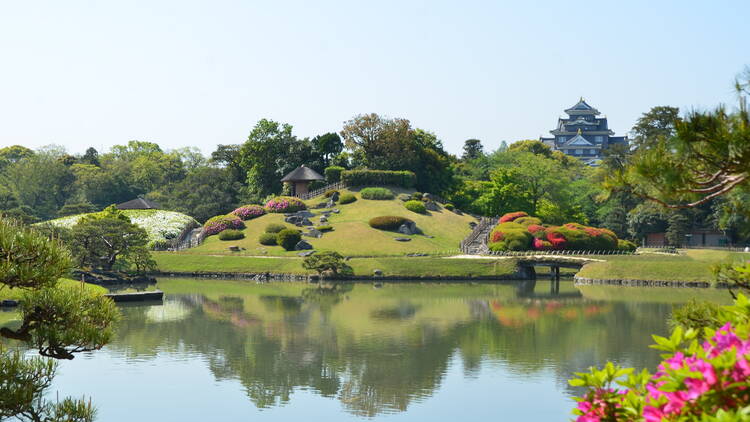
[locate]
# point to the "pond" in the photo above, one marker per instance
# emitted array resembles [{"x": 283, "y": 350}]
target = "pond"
[{"x": 233, "y": 350}]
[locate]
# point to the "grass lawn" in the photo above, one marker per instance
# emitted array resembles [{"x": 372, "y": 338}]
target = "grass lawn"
[
  {"x": 352, "y": 235},
  {"x": 689, "y": 265},
  {"x": 413, "y": 267}
]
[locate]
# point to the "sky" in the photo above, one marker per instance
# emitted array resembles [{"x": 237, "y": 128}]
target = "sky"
[{"x": 202, "y": 73}]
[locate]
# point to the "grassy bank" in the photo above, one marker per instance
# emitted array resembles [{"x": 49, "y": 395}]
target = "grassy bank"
[
  {"x": 352, "y": 235},
  {"x": 690, "y": 265},
  {"x": 406, "y": 267}
]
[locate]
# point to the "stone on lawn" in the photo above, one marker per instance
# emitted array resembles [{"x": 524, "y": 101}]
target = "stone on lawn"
[
  {"x": 431, "y": 206},
  {"x": 377, "y": 273},
  {"x": 403, "y": 239},
  {"x": 306, "y": 222},
  {"x": 409, "y": 228},
  {"x": 234, "y": 248},
  {"x": 323, "y": 219},
  {"x": 314, "y": 233},
  {"x": 302, "y": 245},
  {"x": 305, "y": 253}
]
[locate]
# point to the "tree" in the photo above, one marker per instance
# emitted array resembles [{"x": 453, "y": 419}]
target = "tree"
[
  {"x": 325, "y": 262},
  {"x": 13, "y": 154},
  {"x": 98, "y": 241},
  {"x": 385, "y": 144},
  {"x": 473, "y": 149},
  {"x": 204, "y": 193},
  {"x": 659, "y": 122},
  {"x": 647, "y": 218},
  {"x": 56, "y": 321},
  {"x": 91, "y": 157},
  {"x": 678, "y": 226},
  {"x": 327, "y": 146},
  {"x": 264, "y": 156},
  {"x": 533, "y": 146}
]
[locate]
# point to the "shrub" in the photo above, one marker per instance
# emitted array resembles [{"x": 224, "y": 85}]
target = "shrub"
[
  {"x": 510, "y": 237},
  {"x": 404, "y": 179},
  {"x": 275, "y": 228},
  {"x": 285, "y": 204},
  {"x": 231, "y": 234},
  {"x": 449, "y": 207},
  {"x": 333, "y": 174},
  {"x": 325, "y": 228},
  {"x": 268, "y": 239},
  {"x": 388, "y": 222},
  {"x": 288, "y": 238},
  {"x": 347, "y": 198},
  {"x": 329, "y": 193},
  {"x": 626, "y": 245},
  {"x": 527, "y": 221},
  {"x": 417, "y": 196},
  {"x": 327, "y": 262},
  {"x": 220, "y": 223},
  {"x": 248, "y": 212},
  {"x": 542, "y": 245},
  {"x": 416, "y": 206},
  {"x": 376, "y": 194},
  {"x": 512, "y": 216}
]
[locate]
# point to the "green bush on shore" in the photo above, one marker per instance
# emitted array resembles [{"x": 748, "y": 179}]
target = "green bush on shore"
[
  {"x": 416, "y": 206},
  {"x": 378, "y": 194},
  {"x": 231, "y": 234},
  {"x": 288, "y": 238},
  {"x": 347, "y": 198}
]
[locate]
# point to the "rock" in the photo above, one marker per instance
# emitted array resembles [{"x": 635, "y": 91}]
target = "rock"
[
  {"x": 304, "y": 214},
  {"x": 377, "y": 273},
  {"x": 427, "y": 196},
  {"x": 302, "y": 245},
  {"x": 306, "y": 222},
  {"x": 335, "y": 211},
  {"x": 321, "y": 205},
  {"x": 429, "y": 237},
  {"x": 403, "y": 239},
  {"x": 431, "y": 206},
  {"x": 234, "y": 248},
  {"x": 314, "y": 233},
  {"x": 8, "y": 303},
  {"x": 408, "y": 228},
  {"x": 292, "y": 219},
  {"x": 323, "y": 219},
  {"x": 472, "y": 224},
  {"x": 331, "y": 203},
  {"x": 404, "y": 197},
  {"x": 335, "y": 196},
  {"x": 412, "y": 255},
  {"x": 305, "y": 253}
]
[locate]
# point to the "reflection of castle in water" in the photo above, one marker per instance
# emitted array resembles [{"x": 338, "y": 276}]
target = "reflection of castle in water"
[{"x": 379, "y": 351}]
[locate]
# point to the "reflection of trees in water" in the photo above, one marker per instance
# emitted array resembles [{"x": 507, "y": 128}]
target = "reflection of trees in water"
[{"x": 273, "y": 355}]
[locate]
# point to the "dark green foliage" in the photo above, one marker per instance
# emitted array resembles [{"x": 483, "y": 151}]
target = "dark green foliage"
[
  {"x": 22, "y": 253},
  {"x": 333, "y": 174},
  {"x": 268, "y": 239},
  {"x": 417, "y": 196},
  {"x": 231, "y": 234},
  {"x": 404, "y": 179},
  {"x": 473, "y": 149},
  {"x": 416, "y": 206},
  {"x": 387, "y": 222},
  {"x": 327, "y": 146},
  {"x": 678, "y": 225},
  {"x": 626, "y": 245},
  {"x": 75, "y": 209},
  {"x": 288, "y": 238},
  {"x": 275, "y": 228},
  {"x": 449, "y": 207},
  {"x": 327, "y": 263},
  {"x": 347, "y": 198},
  {"x": 527, "y": 221},
  {"x": 510, "y": 237},
  {"x": 380, "y": 194},
  {"x": 696, "y": 315}
]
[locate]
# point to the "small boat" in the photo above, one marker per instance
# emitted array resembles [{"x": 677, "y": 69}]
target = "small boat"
[{"x": 136, "y": 296}]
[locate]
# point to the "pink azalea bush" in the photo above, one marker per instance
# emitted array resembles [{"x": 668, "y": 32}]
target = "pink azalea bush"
[
  {"x": 220, "y": 223},
  {"x": 707, "y": 381},
  {"x": 285, "y": 204},
  {"x": 248, "y": 212}
]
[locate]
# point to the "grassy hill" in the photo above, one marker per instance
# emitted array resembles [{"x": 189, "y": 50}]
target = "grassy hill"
[
  {"x": 159, "y": 224},
  {"x": 442, "y": 230}
]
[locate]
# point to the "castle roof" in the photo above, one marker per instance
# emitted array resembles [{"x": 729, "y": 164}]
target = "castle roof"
[
  {"x": 582, "y": 107},
  {"x": 302, "y": 174}
]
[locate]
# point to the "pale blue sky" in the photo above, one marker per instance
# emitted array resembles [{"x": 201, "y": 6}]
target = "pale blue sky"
[{"x": 200, "y": 73}]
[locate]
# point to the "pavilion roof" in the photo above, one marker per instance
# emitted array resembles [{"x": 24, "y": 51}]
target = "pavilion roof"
[{"x": 302, "y": 174}]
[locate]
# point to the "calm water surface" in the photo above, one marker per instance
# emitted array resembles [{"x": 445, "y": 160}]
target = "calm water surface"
[{"x": 224, "y": 350}]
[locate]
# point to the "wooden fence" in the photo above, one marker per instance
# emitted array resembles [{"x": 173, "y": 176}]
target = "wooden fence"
[{"x": 321, "y": 191}]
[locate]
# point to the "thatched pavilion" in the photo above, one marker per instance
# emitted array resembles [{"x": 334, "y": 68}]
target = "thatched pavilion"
[{"x": 300, "y": 178}]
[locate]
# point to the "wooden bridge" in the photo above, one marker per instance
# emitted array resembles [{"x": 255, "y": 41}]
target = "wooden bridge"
[{"x": 528, "y": 263}]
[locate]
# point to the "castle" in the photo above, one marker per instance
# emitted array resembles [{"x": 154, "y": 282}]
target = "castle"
[{"x": 583, "y": 135}]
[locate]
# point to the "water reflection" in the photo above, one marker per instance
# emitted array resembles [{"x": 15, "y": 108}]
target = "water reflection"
[{"x": 379, "y": 350}]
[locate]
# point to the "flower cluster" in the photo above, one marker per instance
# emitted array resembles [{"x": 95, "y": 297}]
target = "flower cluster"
[
  {"x": 248, "y": 212},
  {"x": 285, "y": 204},
  {"x": 220, "y": 223},
  {"x": 693, "y": 382}
]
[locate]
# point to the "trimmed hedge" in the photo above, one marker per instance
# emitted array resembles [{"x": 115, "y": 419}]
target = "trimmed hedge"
[
  {"x": 284, "y": 204},
  {"x": 218, "y": 224},
  {"x": 248, "y": 212},
  {"x": 347, "y": 198},
  {"x": 231, "y": 234},
  {"x": 416, "y": 206},
  {"x": 333, "y": 174},
  {"x": 275, "y": 228},
  {"x": 626, "y": 245},
  {"x": 387, "y": 222},
  {"x": 268, "y": 239},
  {"x": 288, "y": 238},
  {"x": 325, "y": 228},
  {"x": 378, "y": 194},
  {"x": 518, "y": 231},
  {"x": 404, "y": 179}
]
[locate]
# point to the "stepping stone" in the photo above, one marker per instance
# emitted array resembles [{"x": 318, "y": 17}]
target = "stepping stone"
[
  {"x": 306, "y": 253},
  {"x": 403, "y": 239}
]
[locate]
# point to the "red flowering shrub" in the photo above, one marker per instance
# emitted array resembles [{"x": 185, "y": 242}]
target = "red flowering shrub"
[
  {"x": 527, "y": 221},
  {"x": 496, "y": 237},
  {"x": 510, "y": 237},
  {"x": 556, "y": 239},
  {"x": 248, "y": 212},
  {"x": 220, "y": 223},
  {"x": 285, "y": 204},
  {"x": 512, "y": 216},
  {"x": 542, "y": 245}
]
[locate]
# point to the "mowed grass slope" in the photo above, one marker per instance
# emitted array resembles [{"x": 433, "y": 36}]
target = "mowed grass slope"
[
  {"x": 690, "y": 265},
  {"x": 352, "y": 235}
]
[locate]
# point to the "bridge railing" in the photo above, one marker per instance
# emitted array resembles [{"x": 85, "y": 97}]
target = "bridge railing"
[{"x": 560, "y": 252}]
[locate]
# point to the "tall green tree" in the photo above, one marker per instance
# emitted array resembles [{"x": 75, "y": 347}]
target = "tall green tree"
[
  {"x": 659, "y": 122},
  {"x": 473, "y": 149},
  {"x": 328, "y": 146},
  {"x": 265, "y": 156}
]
